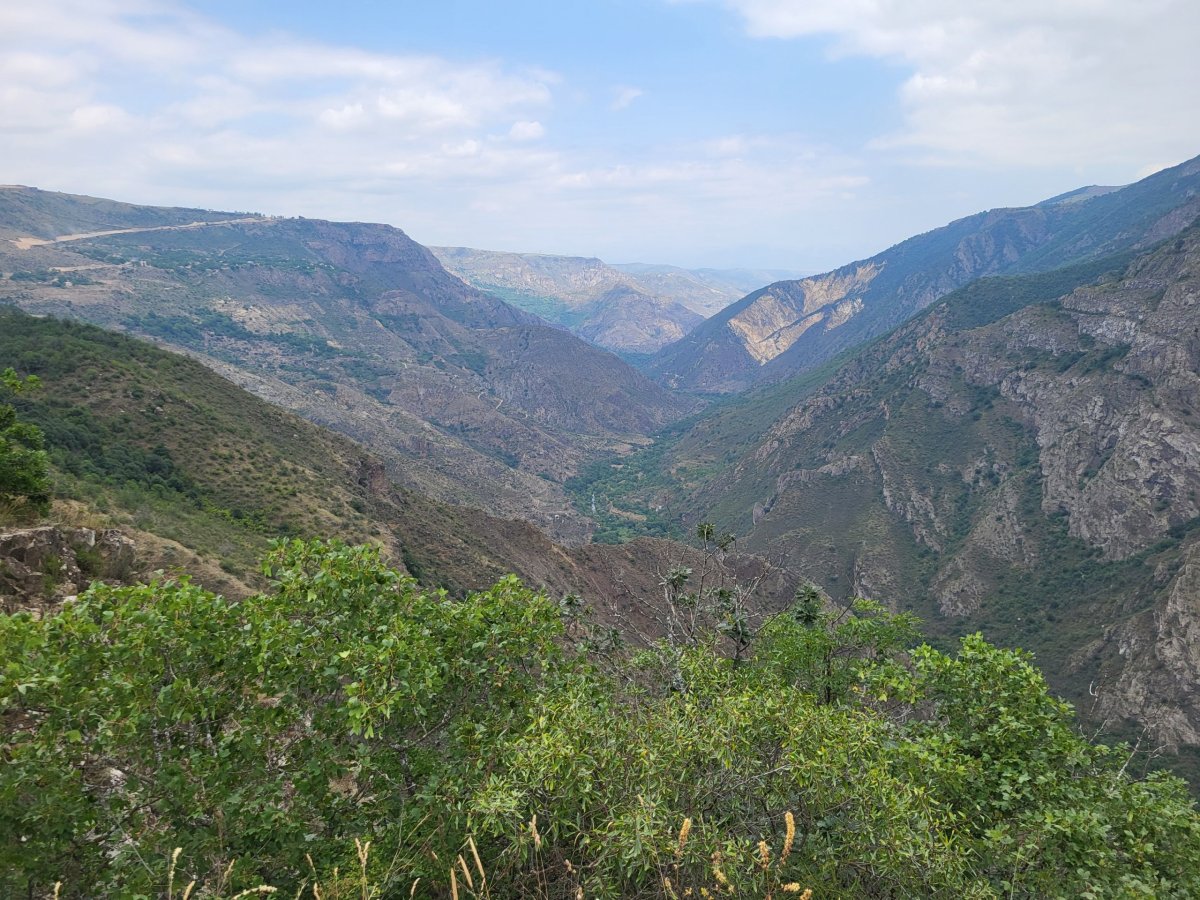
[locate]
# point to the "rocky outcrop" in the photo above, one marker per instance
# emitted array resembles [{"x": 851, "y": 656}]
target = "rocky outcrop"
[
  {"x": 42, "y": 567},
  {"x": 1157, "y": 681}
]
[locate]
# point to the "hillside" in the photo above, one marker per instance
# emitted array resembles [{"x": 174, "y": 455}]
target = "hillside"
[
  {"x": 793, "y": 326},
  {"x": 628, "y": 309},
  {"x": 203, "y": 475},
  {"x": 1023, "y": 458},
  {"x": 358, "y": 328}
]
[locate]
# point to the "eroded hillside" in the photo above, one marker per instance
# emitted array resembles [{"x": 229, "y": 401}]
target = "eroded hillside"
[{"x": 359, "y": 328}]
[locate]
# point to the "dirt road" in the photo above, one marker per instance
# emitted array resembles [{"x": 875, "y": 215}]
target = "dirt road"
[{"x": 27, "y": 243}]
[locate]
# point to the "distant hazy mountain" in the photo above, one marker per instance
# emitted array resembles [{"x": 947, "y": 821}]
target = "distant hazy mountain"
[
  {"x": 355, "y": 326},
  {"x": 668, "y": 279},
  {"x": 632, "y": 308},
  {"x": 791, "y": 326}
]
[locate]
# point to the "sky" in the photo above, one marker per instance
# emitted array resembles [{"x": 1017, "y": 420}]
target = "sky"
[{"x": 770, "y": 133}]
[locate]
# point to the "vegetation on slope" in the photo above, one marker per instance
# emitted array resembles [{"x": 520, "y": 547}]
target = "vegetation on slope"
[
  {"x": 906, "y": 472},
  {"x": 264, "y": 736},
  {"x": 24, "y": 479},
  {"x": 160, "y": 443}
]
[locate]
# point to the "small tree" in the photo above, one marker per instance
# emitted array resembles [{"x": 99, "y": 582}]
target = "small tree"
[{"x": 24, "y": 468}]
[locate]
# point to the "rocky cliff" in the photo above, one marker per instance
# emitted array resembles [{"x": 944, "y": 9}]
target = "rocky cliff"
[
  {"x": 41, "y": 567},
  {"x": 1019, "y": 462}
]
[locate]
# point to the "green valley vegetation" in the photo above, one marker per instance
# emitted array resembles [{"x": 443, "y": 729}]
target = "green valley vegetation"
[
  {"x": 160, "y": 735},
  {"x": 24, "y": 478}
]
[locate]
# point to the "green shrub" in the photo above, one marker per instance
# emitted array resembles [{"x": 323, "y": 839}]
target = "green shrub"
[{"x": 263, "y": 738}]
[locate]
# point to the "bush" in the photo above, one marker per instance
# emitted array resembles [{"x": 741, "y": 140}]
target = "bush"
[
  {"x": 24, "y": 467},
  {"x": 264, "y": 738}
]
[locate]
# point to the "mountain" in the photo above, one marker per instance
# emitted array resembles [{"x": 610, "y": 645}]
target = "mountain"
[
  {"x": 791, "y": 326},
  {"x": 730, "y": 284},
  {"x": 628, "y": 309},
  {"x": 354, "y": 326},
  {"x": 199, "y": 476},
  {"x": 1023, "y": 458}
]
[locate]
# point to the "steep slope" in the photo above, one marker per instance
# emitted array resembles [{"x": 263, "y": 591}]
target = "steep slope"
[
  {"x": 1024, "y": 458},
  {"x": 357, "y": 327},
  {"x": 791, "y": 326},
  {"x": 201, "y": 475},
  {"x": 612, "y": 306}
]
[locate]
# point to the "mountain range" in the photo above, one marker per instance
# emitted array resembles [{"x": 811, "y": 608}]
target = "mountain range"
[
  {"x": 631, "y": 309},
  {"x": 354, "y": 326},
  {"x": 993, "y": 424},
  {"x": 792, "y": 326}
]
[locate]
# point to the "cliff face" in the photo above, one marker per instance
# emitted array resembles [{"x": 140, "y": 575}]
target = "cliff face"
[
  {"x": 792, "y": 326},
  {"x": 1031, "y": 468}
]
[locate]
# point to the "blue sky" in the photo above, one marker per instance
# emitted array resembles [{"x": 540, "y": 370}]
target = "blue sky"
[{"x": 784, "y": 133}]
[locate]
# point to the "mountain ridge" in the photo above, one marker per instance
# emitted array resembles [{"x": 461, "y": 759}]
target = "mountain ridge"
[{"x": 790, "y": 326}]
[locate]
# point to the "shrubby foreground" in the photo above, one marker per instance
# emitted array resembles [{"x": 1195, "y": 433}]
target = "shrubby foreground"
[{"x": 263, "y": 737}]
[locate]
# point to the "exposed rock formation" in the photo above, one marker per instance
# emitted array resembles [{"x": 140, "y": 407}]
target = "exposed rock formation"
[{"x": 42, "y": 567}]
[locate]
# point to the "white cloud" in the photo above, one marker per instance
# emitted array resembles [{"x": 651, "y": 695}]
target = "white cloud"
[
  {"x": 163, "y": 94},
  {"x": 526, "y": 131},
  {"x": 99, "y": 116},
  {"x": 142, "y": 101},
  {"x": 625, "y": 95},
  {"x": 1027, "y": 82}
]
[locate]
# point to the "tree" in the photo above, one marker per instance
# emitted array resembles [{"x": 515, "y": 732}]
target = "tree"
[{"x": 24, "y": 467}]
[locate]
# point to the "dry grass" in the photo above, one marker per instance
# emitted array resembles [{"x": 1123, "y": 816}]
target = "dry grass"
[{"x": 467, "y": 877}]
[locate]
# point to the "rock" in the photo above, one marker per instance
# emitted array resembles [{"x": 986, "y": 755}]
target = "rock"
[{"x": 41, "y": 568}]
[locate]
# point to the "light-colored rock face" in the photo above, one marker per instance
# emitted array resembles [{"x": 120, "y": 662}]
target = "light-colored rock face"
[
  {"x": 775, "y": 334},
  {"x": 782, "y": 313},
  {"x": 1119, "y": 438}
]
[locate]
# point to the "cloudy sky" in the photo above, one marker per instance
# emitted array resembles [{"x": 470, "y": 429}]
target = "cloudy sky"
[{"x": 789, "y": 133}]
